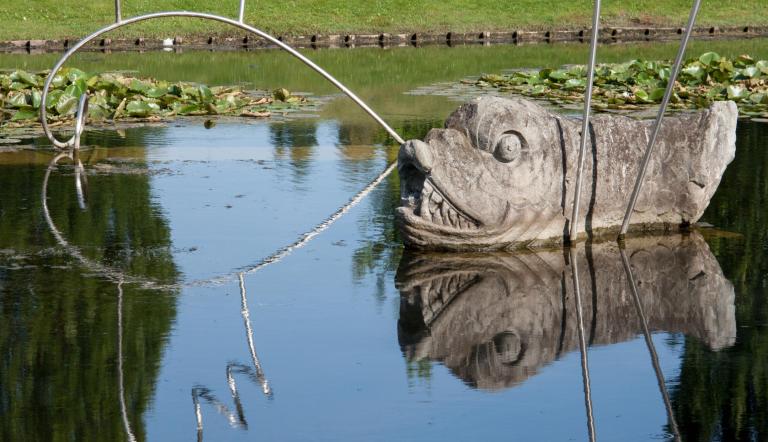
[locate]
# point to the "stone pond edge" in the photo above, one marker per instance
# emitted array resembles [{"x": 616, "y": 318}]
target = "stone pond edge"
[{"x": 607, "y": 35}]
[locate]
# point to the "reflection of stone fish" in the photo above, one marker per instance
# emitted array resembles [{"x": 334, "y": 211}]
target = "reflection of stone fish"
[
  {"x": 496, "y": 319},
  {"x": 502, "y": 173}
]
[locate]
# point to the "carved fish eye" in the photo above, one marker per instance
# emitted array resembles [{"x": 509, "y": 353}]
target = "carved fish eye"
[
  {"x": 509, "y": 146},
  {"x": 509, "y": 347}
]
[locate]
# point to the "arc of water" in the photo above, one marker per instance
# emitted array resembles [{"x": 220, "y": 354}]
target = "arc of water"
[
  {"x": 657, "y": 124},
  {"x": 585, "y": 121}
]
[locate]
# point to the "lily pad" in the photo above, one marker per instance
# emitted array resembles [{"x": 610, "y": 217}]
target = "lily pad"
[
  {"x": 702, "y": 80},
  {"x": 117, "y": 95},
  {"x": 708, "y": 58},
  {"x": 25, "y": 114},
  {"x": 138, "y": 108}
]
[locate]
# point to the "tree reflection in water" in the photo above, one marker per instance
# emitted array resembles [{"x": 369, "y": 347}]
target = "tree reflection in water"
[{"x": 55, "y": 311}]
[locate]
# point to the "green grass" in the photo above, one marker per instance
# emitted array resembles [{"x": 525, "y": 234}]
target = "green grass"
[{"x": 55, "y": 19}]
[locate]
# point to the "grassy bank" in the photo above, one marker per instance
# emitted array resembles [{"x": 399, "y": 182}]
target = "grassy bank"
[{"x": 55, "y": 19}]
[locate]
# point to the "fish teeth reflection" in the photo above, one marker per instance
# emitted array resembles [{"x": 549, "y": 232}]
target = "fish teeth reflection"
[
  {"x": 437, "y": 293},
  {"x": 434, "y": 208}
]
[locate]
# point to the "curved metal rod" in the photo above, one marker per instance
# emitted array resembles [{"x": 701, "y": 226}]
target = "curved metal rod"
[
  {"x": 80, "y": 117},
  {"x": 110, "y": 273},
  {"x": 659, "y": 116},
  {"x": 260, "y": 33},
  {"x": 585, "y": 121},
  {"x": 582, "y": 346},
  {"x": 275, "y": 257},
  {"x": 651, "y": 347}
]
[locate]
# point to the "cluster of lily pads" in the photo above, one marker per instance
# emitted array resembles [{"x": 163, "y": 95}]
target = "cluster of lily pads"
[
  {"x": 116, "y": 95},
  {"x": 634, "y": 84}
]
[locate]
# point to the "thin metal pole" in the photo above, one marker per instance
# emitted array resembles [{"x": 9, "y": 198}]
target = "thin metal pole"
[
  {"x": 123, "y": 408},
  {"x": 651, "y": 347},
  {"x": 241, "y": 14},
  {"x": 81, "y": 181},
  {"x": 118, "y": 12},
  {"x": 582, "y": 346},
  {"x": 265, "y": 388},
  {"x": 80, "y": 118},
  {"x": 659, "y": 116},
  {"x": 585, "y": 121},
  {"x": 198, "y": 413}
]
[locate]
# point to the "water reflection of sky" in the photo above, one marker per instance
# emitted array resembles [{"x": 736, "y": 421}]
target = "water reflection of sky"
[{"x": 234, "y": 195}]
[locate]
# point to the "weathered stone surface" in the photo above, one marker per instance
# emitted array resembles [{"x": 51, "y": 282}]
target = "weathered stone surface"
[
  {"x": 496, "y": 319},
  {"x": 503, "y": 171}
]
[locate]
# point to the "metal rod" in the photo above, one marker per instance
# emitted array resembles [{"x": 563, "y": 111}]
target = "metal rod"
[
  {"x": 198, "y": 413},
  {"x": 651, "y": 347},
  {"x": 80, "y": 118},
  {"x": 112, "y": 274},
  {"x": 585, "y": 122},
  {"x": 582, "y": 346},
  {"x": 659, "y": 116},
  {"x": 260, "y": 33},
  {"x": 231, "y": 416},
  {"x": 236, "y": 395},
  {"x": 81, "y": 181},
  {"x": 118, "y": 12},
  {"x": 123, "y": 408},
  {"x": 241, "y": 14},
  {"x": 260, "y": 377},
  {"x": 277, "y": 256}
]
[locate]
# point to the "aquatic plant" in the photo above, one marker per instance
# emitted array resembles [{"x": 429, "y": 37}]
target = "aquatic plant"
[
  {"x": 638, "y": 83},
  {"x": 115, "y": 95}
]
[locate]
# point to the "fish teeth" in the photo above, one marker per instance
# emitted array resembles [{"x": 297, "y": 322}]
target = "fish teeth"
[
  {"x": 444, "y": 210},
  {"x": 453, "y": 217},
  {"x": 434, "y": 208}
]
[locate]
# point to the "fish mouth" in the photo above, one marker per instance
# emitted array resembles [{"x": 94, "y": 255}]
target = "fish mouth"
[
  {"x": 424, "y": 297},
  {"x": 435, "y": 292},
  {"x": 434, "y": 206},
  {"x": 431, "y": 219},
  {"x": 423, "y": 202}
]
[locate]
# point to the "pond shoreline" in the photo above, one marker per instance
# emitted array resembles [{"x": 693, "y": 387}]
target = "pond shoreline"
[{"x": 351, "y": 40}]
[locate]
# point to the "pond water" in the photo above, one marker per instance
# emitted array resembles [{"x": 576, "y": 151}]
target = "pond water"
[{"x": 127, "y": 316}]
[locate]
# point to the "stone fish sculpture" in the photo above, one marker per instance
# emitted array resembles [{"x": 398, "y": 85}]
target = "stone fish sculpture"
[
  {"x": 501, "y": 175},
  {"x": 496, "y": 319}
]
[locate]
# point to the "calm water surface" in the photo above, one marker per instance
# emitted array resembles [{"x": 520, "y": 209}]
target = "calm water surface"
[{"x": 141, "y": 327}]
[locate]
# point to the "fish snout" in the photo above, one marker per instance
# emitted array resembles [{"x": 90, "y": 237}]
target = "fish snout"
[{"x": 418, "y": 154}]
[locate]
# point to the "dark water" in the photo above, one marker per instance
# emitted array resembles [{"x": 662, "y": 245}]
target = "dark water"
[{"x": 133, "y": 322}]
